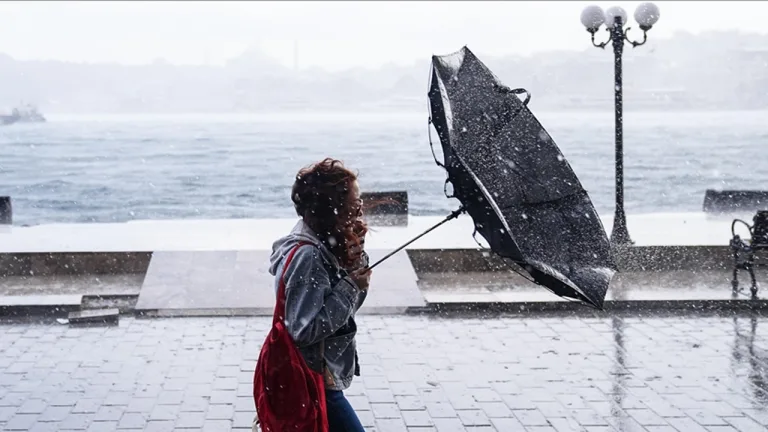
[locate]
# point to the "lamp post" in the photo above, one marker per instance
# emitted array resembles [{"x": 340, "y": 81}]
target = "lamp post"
[{"x": 615, "y": 18}]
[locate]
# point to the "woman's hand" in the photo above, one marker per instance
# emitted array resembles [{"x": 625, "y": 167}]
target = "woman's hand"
[
  {"x": 357, "y": 251},
  {"x": 361, "y": 278}
]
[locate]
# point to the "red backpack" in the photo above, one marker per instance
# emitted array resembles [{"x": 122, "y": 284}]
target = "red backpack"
[{"x": 289, "y": 396}]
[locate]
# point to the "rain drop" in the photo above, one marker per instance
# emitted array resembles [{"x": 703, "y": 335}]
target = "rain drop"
[
  {"x": 464, "y": 129},
  {"x": 560, "y": 158},
  {"x": 525, "y": 216}
]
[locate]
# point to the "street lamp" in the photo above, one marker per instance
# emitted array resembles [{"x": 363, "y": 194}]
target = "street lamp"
[{"x": 615, "y": 18}]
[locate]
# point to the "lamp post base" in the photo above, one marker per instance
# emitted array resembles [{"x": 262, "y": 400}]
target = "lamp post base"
[{"x": 620, "y": 234}]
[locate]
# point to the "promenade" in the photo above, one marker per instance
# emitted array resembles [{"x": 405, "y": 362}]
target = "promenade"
[
  {"x": 683, "y": 372},
  {"x": 170, "y": 268}
]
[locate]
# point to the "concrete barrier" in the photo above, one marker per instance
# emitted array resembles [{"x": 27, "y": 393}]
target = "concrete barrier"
[
  {"x": 73, "y": 263},
  {"x": 386, "y": 208},
  {"x": 739, "y": 201},
  {"x": 634, "y": 258}
]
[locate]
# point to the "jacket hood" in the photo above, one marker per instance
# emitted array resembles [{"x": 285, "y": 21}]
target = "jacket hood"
[{"x": 300, "y": 233}]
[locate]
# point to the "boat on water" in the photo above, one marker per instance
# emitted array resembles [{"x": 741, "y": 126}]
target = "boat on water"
[{"x": 25, "y": 114}]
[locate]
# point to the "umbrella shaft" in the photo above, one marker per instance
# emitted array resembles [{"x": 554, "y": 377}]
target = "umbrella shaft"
[{"x": 453, "y": 215}]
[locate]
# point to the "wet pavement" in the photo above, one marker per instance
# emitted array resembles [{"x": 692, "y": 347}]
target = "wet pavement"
[{"x": 537, "y": 373}]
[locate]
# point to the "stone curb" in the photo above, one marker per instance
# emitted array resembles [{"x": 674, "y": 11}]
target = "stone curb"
[
  {"x": 58, "y": 306},
  {"x": 125, "y": 304}
]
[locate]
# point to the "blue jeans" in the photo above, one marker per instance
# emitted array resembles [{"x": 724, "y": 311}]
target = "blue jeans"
[{"x": 341, "y": 416}]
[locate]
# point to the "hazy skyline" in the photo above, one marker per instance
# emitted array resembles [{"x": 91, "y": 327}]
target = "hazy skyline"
[{"x": 331, "y": 35}]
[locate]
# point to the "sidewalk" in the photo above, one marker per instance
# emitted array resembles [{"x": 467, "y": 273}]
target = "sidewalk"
[{"x": 536, "y": 373}]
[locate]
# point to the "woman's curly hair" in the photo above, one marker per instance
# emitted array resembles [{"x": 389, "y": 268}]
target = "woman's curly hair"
[{"x": 322, "y": 197}]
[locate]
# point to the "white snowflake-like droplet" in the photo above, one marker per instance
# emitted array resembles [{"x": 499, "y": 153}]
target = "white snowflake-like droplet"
[
  {"x": 332, "y": 241},
  {"x": 560, "y": 158},
  {"x": 464, "y": 129},
  {"x": 543, "y": 135},
  {"x": 524, "y": 216}
]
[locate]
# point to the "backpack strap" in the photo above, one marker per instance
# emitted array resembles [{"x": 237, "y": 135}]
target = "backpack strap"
[
  {"x": 279, "y": 313},
  {"x": 280, "y": 306}
]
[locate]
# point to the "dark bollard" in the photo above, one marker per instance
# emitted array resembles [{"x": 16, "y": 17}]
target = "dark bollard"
[
  {"x": 735, "y": 201},
  {"x": 6, "y": 211},
  {"x": 386, "y": 208}
]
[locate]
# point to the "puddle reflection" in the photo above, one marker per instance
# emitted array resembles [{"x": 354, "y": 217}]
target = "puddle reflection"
[
  {"x": 745, "y": 353},
  {"x": 619, "y": 373}
]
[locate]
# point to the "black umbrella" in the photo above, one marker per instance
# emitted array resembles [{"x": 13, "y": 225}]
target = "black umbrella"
[{"x": 515, "y": 183}]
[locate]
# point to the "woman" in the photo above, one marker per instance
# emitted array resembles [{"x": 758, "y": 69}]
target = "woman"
[{"x": 326, "y": 281}]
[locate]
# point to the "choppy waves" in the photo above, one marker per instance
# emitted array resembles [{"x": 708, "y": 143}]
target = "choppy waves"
[{"x": 110, "y": 169}]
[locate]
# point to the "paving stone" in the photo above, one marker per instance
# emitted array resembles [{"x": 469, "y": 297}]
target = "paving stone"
[
  {"x": 102, "y": 426},
  {"x": 390, "y": 425},
  {"x": 646, "y": 417},
  {"x": 408, "y": 403},
  {"x": 45, "y": 427},
  {"x": 220, "y": 412},
  {"x": 495, "y": 409},
  {"x": 366, "y": 418},
  {"x": 531, "y": 417},
  {"x": 54, "y": 414},
  {"x": 160, "y": 426},
  {"x": 164, "y": 412},
  {"x": 417, "y": 418},
  {"x": 441, "y": 410},
  {"x": 7, "y": 412},
  {"x": 21, "y": 422},
  {"x": 745, "y": 424},
  {"x": 385, "y": 410},
  {"x": 705, "y": 418},
  {"x": 473, "y": 418},
  {"x": 190, "y": 420},
  {"x": 242, "y": 420},
  {"x": 108, "y": 413},
  {"x": 31, "y": 406},
  {"x": 132, "y": 420},
  {"x": 760, "y": 416}
]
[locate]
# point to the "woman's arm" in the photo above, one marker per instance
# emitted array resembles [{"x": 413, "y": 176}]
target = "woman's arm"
[{"x": 314, "y": 309}]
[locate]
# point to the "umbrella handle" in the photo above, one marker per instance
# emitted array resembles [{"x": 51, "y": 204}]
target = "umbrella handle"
[
  {"x": 518, "y": 91},
  {"x": 451, "y": 216}
]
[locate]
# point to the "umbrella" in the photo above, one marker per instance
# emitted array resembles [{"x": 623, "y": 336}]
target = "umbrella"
[{"x": 512, "y": 179}]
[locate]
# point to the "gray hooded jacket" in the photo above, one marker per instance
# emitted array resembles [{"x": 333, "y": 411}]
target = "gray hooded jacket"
[{"x": 320, "y": 305}]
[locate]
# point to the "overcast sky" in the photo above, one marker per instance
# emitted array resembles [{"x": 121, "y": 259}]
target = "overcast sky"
[{"x": 332, "y": 35}]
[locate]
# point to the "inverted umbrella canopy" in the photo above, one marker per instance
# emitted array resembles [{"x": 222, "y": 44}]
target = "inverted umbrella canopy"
[{"x": 514, "y": 182}]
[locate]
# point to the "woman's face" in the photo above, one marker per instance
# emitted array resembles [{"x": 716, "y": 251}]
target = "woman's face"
[{"x": 356, "y": 208}]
